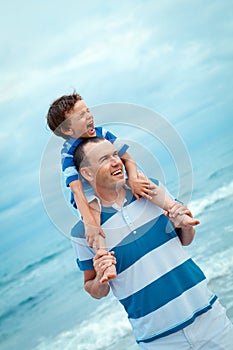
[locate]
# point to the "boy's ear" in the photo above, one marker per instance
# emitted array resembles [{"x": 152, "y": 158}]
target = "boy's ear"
[
  {"x": 86, "y": 173},
  {"x": 67, "y": 131}
]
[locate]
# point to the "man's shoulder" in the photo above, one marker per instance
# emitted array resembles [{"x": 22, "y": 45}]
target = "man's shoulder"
[
  {"x": 78, "y": 231},
  {"x": 155, "y": 181}
]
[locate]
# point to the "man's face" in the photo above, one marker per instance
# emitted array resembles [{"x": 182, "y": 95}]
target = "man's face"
[
  {"x": 106, "y": 168},
  {"x": 81, "y": 121}
]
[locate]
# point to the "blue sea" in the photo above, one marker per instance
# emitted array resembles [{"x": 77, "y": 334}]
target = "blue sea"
[{"x": 43, "y": 304}]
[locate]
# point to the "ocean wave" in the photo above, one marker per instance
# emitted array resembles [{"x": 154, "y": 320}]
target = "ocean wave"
[
  {"x": 9, "y": 313},
  {"x": 217, "y": 265},
  {"x": 102, "y": 330},
  {"x": 220, "y": 172},
  {"x": 198, "y": 206},
  {"x": 28, "y": 303},
  {"x": 9, "y": 279},
  {"x": 41, "y": 261}
]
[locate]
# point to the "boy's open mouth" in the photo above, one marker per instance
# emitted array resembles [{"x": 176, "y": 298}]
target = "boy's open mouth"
[{"x": 91, "y": 128}]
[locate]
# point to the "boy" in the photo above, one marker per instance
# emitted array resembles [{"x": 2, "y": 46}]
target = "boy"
[{"x": 70, "y": 118}]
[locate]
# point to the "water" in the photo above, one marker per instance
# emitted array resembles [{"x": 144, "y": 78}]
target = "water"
[{"x": 43, "y": 304}]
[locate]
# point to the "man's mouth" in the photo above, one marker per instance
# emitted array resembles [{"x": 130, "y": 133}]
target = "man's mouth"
[{"x": 118, "y": 172}]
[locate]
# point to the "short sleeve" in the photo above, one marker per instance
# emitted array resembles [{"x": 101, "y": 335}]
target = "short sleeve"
[
  {"x": 118, "y": 144},
  {"x": 67, "y": 160},
  {"x": 84, "y": 254}
]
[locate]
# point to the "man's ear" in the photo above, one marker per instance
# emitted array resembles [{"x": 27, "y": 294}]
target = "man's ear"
[{"x": 86, "y": 173}]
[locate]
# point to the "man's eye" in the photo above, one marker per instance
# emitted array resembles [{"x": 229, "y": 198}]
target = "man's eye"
[{"x": 103, "y": 159}]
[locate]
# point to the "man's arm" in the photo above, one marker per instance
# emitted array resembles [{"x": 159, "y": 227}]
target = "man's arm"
[
  {"x": 92, "y": 278},
  {"x": 185, "y": 232},
  {"x": 93, "y": 286}
]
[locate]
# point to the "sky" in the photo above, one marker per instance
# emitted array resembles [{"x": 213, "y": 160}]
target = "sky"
[{"x": 170, "y": 56}]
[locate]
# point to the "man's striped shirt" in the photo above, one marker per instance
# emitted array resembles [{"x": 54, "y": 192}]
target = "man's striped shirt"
[{"x": 159, "y": 285}]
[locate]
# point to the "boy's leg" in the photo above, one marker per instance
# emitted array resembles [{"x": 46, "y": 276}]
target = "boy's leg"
[
  {"x": 163, "y": 200},
  {"x": 185, "y": 220},
  {"x": 110, "y": 272}
]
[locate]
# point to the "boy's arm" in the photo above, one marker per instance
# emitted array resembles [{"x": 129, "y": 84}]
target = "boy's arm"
[
  {"x": 175, "y": 211},
  {"x": 139, "y": 185},
  {"x": 92, "y": 278},
  {"x": 92, "y": 228},
  {"x": 160, "y": 197}
]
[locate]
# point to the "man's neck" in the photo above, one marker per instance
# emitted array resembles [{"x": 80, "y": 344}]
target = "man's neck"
[{"x": 111, "y": 197}]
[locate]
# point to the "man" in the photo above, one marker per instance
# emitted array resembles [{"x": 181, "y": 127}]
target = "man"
[{"x": 162, "y": 290}]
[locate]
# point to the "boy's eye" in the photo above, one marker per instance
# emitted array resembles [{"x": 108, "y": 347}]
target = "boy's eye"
[{"x": 81, "y": 115}]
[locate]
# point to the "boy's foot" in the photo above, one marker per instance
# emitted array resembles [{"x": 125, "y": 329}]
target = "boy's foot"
[{"x": 109, "y": 274}]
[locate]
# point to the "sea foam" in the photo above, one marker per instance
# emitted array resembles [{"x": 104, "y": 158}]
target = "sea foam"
[
  {"x": 104, "y": 328},
  {"x": 198, "y": 206}
]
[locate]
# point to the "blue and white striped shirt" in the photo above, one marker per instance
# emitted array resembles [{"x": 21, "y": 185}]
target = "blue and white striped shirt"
[{"x": 159, "y": 285}]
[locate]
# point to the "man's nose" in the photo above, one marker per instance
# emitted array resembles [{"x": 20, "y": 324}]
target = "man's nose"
[{"x": 115, "y": 160}]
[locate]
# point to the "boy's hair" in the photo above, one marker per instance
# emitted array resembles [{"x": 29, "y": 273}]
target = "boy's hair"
[
  {"x": 58, "y": 111},
  {"x": 80, "y": 159}
]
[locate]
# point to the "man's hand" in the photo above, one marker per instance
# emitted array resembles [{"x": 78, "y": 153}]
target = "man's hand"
[
  {"x": 102, "y": 260},
  {"x": 141, "y": 186},
  {"x": 93, "y": 233}
]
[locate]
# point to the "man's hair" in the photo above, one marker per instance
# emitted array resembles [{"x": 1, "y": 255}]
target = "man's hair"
[
  {"x": 80, "y": 158},
  {"x": 58, "y": 111}
]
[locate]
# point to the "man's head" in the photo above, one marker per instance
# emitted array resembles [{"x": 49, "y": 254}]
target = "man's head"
[
  {"x": 98, "y": 162},
  {"x": 68, "y": 116}
]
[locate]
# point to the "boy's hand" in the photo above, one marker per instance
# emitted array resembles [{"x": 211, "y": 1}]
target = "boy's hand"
[
  {"x": 141, "y": 186},
  {"x": 181, "y": 216},
  {"x": 102, "y": 260},
  {"x": 93, "y": 233}
]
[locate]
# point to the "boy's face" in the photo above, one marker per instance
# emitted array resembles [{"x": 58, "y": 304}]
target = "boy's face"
[{"x": 81, "y": 122}]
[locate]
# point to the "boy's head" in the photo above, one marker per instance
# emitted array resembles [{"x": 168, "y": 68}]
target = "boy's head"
[{"x": 68, "y": 116}]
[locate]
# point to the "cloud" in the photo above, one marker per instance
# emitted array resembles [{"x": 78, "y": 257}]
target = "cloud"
[
  {"x": 148, "y": 40},
  {"x": 159, "y": 54},
  {"x": 112, "y": 49}
]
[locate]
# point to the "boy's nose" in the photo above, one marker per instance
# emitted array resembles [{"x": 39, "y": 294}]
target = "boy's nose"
[{"x": 89, "y": 114}]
